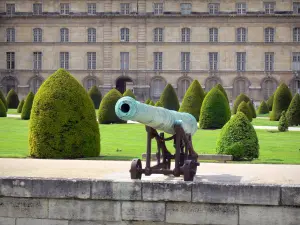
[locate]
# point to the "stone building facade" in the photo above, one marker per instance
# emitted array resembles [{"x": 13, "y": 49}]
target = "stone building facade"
[{"x": 248, "y": 46}]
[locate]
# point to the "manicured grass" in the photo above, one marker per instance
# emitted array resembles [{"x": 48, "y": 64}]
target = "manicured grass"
[
  {"x": 127, "y": 141},
  {"x": 264, "y": 122},
  {"x": 12, "y": 111},
  {"x": 263, "y": 115}
]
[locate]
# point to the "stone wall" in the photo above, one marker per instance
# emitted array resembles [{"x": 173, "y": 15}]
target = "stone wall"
[{"x": 25, "y": 201}]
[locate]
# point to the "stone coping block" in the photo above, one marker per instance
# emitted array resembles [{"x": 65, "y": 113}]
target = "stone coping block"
[{"x": 290, "y": 195}]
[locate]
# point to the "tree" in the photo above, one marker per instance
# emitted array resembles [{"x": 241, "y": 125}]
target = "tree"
[
  {"x": 169, "y": 98},
  {"x": 20, "y": 106},
  {"x": 63, "y": 121},
  {"x": 215, "y": 110},
  {"x": 96, "y": 96},
  {"x": 2, "y": 98},
  {"x": 293, "y": 113},
  {"x": 283, "y": 124},
  {"x": 263, "y": 108},
  {"x": 192, "y": 100},
  {"x": 282, "y": 100},
  {"x": 129, "y": 93},
  {"x": 158, "y": 104},
  {"x": 12, "y": 99},
  {"x": 252, "y": 109},
  {"x": 26, "y": 109},
  {"x": 238, "y": 100},
  {"x": 220, "y": 87},
  {"x": 270, "y": 102},
  {"x": 2, "y": 109},
  {"x": 244, "y": 108}
]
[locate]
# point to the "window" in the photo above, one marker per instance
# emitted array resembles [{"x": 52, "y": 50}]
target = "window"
[
  {"x": 35, "y": 84},
  {"x": 239, "y": 87},
  {"x": 269, "y": 34},
  {"x": 64, "y": 60},
  {"x": 296, "y": 61},
  {"x": 213, "y": 8},
  {"x": 185, "y": 61},
  {"x": 64, "y": 8},
  {"x": 241, "y": 61},
  {"x": 296, "y": 7},
  {"x": 158, "y": 34},
  {"x": 157, "y": 60},
  {"x": 186, "y": 8},
  {"x": 269, "y": 61},
  {"x": 268, "y": 87},
  {"x": 213, "y": 34},
  {"x": 158, "y": 8},
  {"x": 64, "y": 35},
  {"x": 10, "y": 9},
  {"x": 91, "y": 35},
  {"x": 125, "y": 34},
  {"x": 37, "y": 35},
  {"x": 213, "y": 61},
  {"x": 183, "y": 85},
  {"x": 157, "y": 87},
  {"x": 185, "y": 34},
  {"x": 210, "y": 83},
  {"x": 241, "y": 8},
  {"x": 296, "y": 34},
  {"x": 241, "y": 34},
  {"x": 124, "y": 60},
  {"x": 91, "y": 8},
  {"x": 125, "y": 8},
  {"x": 37, "y": 9},
  {"x": 10, "y": 60},
  {"x": 10, "y": 35},
  {"x": 37, "y": 60},
  {"x": 91, "y": 60},
  {"x": 269, "y": 7}
]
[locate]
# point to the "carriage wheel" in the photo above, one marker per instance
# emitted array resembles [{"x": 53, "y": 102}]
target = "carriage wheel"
[
  {"x": 189, "y": 170},
  {"x": 136, "y": 166}
]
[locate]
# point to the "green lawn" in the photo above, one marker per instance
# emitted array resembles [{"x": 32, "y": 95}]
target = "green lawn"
[
  {"x": 264, "y": 122},
  {"x": 127, "y": 141},
  {"x": 12, "y": 111}
]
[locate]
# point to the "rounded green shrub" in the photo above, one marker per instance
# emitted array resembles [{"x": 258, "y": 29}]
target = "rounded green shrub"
[
  {"x": 2, "y": 98},
  {"x": 220, "y": 87},
  {"x": 252, "y": 109},
  {"x": 12, "y": 99},
  {"x": 2, "y": 109},
  {"x": 129, "y": 93},
  {"x": 63, "y": 120},
  {"x": 106, "y": 113},
  {"x": 20, "y": 106},
  {"x": 244, "y": 108},
  {"x": 238, "y": 137},
  {"x": 147, "y": 101},
  {"x": 158, "y": 104},
  {"x": 270, "y": 102},
  {"x": 151, "y": 103},
  {"x": 192, "y": 100},
  {"x": 26, "y": 109},
  {"x": 263, "y": 108},
  {"x": 282, "y": 100},
  {"x": 293, "y": 113},
  {"x": 96, "y": 96},
  {"x": 169, "y": 98},
  {"x": 238, "y": 100},
  {"x": 283, "y": 124},
  {"x": 215, "y": 110}
]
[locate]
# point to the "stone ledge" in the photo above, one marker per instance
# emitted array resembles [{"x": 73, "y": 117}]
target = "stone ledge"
[{"x": 290, "y": 195}]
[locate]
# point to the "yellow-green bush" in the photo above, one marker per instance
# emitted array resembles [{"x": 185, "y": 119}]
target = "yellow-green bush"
[
  {"x": 283, "y": 124},
  {"x": 263, "y": 108},
  {"x": 129, "y": 93},
  {"x": 293, "y": 113},
  {"x": 252, "y": 109},
  {"x": 2, "y": 109},
  {"x": 270, "y": 102},
  {"x": 220, "y": 87},
  {"x": 244, "y": 108},
  {"x": 238, "y": 100},
  {"x": 96, "y": 96},
  {"x": 12, "y": 99},
  {"x": 2, "y": 98},
  {"x": 26, "y": 109},
  {"x": 159, "y": 104},
  {"x": 151, "y": 103},
  {"x": 20, "y": 106},
  {"x": 169, "y": 98}
]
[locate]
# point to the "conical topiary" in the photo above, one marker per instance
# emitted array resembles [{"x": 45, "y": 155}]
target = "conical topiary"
[
  {"x": 106, "y": 113},
  {"x": 193, "y": 99},
  {"x": 238, "y": 100},
  {"x": 159, "y": 104},
  {"x": 220, "y": 87},
  {"x": 283, "y": 124},
  {"x": 215, "y": 110},
  {"x": 63, "y": 122},
  {"x": 151, "y": 103},
  {"x": 96, "y": 96},
  {"x": 20, "y": 106},
  {"x": 2, "y": 109},
  {"x": 169, "y": 98},
  {"x": 244, "y": 108},
  {"x": 147, "y": 101},
  {"x": 281, "y": 102},
  {"x": 252, "y": 109},
  {"x": 270, "y": 102},
  {"x": 26, "y": 109},
  {"x": 293, "y": 113},
  {"x": 2, "y": 98},
  {"x": 238, "y": 138},
  {"x": 263, "y": 108},
  {"x": 12, "y": 99},
  {"x": 129, "y": 93}
]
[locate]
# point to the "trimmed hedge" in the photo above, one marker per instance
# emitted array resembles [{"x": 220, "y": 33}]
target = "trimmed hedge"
[
  {"x": 192, "y": 100},
  {"x": 220, "y": 87},
  {"x": 215, "y": 110},
  {"x": 293, "y": 113},
  {"x": 26, "y": 109},
  {"x": 63, "y": 120},
  {"x": 283, "y": 123},
  {"x": 20, "y": 106},
  {"x": 151, "y": 103},
  {"x": 238, "y": 138},
  {"x": 2, "y": 98},
  {"x": 106, "y": 113},
  {"x": 169, "y": 98},
  {"x": 2, "y": 109},
  {"x": 282, "y": 100},
  {"x": 244, "y": 108},
  {"x": 263, "y": 108},
  {"x": 238, "y": 100},
  {"x": 159, "y": 104},
  {"x": 12, "y": 99},
  {"x": 270, "y": 102},
  {"x": 129, "y": 93},
  {"x": 96, "y": 96},
  {"x": 147, "y": 101},
  {"x": 252, "y": 109}
]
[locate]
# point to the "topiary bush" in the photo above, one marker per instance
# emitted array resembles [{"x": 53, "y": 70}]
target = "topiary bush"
[
  {"x": 238, "y": 138},
  {"x": 20, "y": 106},
  {"x": 215, "y": 110},
  {"x": 270, "y": 102},
  {"x": 63, "y": 120},
  {"x": 283, "y": 123},
  {"x": 169, "y": 98},
  {"x": 151, "y": 103},
  {"x": 238, "y": 100},
  {"x": 293, "y": 113},
  {"x": 244, "y": 108},
  {"x": 129, "y": 93},
  {"x": 252, "y": 109},
  {"x": 2, "y": 98},
  {"x": 220, "y": 87},
  {"x": 2, "y": 109},
  {"x": 12, "y": 99},
  {"x": 192, "y": 100},
  {"x": 282, "y": 100},
  {"x": 26, "y": 109},
  {"x": 159, "y": 104},
  {"x": 147, "y": 101},
  {"x": 263, "y": 108},
  {"x": 106, "y": 113},
  {"x": 96, "y": 96}
]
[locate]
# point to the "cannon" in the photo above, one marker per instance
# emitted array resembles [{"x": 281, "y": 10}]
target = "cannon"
[{"x": 180, "y": 125}]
